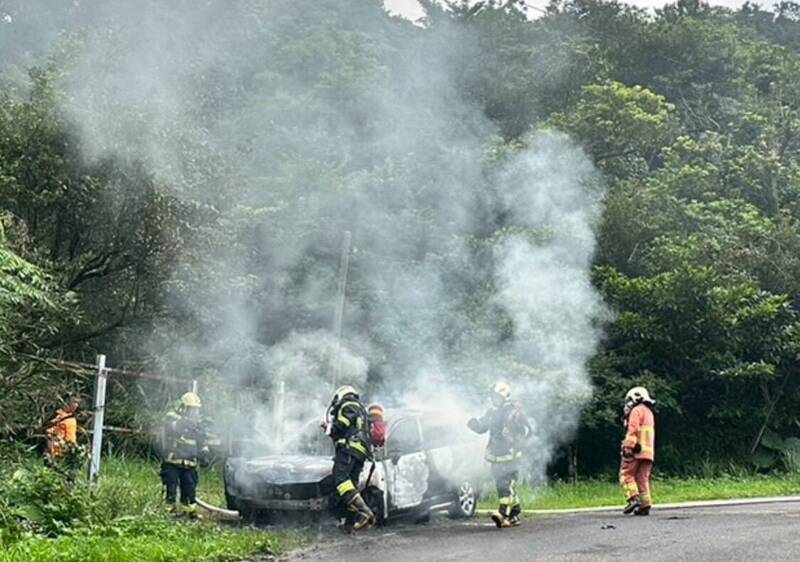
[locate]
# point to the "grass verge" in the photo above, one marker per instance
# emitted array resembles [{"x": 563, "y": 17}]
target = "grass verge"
[
  {"x": 121, "y": 519},
  {"x": 149, "y": 538},
  {"x": 598, "y": 493}
]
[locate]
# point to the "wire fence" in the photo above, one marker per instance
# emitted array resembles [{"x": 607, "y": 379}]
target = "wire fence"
[{"x": 241, "y": 398}]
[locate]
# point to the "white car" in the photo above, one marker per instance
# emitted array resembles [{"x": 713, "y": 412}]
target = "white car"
[{"x": 427, "y": 464}]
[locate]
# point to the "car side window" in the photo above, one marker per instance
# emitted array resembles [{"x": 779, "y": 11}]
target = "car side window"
[{"x": 404, "y": 437}]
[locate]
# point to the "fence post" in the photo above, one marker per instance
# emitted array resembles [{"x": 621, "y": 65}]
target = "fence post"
[{"x": 99, "y": 412}]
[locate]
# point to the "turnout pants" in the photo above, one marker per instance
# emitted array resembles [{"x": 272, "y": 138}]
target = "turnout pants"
[
  {"x": 634, "y": 476},
  {"x": 185, "y": 477},
  {"x": 346, "y": 472},
  {"x": 505, "y": 476}
]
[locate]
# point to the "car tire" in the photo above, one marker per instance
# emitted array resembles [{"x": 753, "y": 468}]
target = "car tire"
[
  {"x": 231, "y": 502},
  {"x": 247, "y": 512},
  {"x": 465, "y": 501},
  {"x": 373, "y": 497},
  {"x": 423, "y": 519}
]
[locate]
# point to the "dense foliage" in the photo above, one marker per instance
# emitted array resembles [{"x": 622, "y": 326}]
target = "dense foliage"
[
  {"x": 45, "y": 516},
  {"x": 692, "y": 115}
]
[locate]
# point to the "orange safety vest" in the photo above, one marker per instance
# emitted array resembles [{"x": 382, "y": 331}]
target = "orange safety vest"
[
  {"x": 641, "y": 431},
  {"x": 63, "y": 430}
]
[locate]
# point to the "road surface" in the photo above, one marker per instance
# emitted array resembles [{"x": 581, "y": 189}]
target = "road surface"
[{"x": 726, "y": 534}]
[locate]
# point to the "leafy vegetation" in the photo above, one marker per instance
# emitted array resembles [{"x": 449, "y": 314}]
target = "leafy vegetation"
[{"x": 44, "y": 516}]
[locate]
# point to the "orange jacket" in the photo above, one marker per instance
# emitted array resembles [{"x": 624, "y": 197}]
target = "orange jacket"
[
  {"x": 62, "y": 431},
  {"x": 641, "y": 433}
]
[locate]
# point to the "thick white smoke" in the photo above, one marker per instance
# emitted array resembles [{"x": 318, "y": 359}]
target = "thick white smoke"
[{"x": 295, "y": 121}]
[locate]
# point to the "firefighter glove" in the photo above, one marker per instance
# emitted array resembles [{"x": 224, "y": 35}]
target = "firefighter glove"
[
  {"x": 205, "y": 457},
  {"x": 474, "y": 424}
]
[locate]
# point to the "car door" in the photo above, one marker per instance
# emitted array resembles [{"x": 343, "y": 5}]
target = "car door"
[{"x": 406, "y": 465}]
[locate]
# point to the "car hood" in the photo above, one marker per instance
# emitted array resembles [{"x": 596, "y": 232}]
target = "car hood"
[{"x": 279, "y": 469}]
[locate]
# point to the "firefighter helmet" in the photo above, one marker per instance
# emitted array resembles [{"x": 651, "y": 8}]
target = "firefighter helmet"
[
  {"x": 501, "y": 389},
  {"x": 637, "y": 395},
  {"x": 343, "y": 391},
  {"x": 375, "y": 410},
  {"x": 191, "y": 400}
]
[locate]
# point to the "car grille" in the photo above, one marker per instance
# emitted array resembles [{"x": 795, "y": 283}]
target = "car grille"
[{"x": 294, "y": 491}]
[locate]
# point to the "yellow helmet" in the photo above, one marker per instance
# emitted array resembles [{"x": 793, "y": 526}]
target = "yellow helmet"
[
  {"x": 638, "y": 394},
  {"x": 501, "y": 389},
  {"x": 343, "y": 391},
  {"x": 191, "y": 400}
]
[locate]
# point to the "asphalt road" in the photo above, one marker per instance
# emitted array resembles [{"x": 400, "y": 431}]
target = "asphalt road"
[{"x": 728, "y": 533}]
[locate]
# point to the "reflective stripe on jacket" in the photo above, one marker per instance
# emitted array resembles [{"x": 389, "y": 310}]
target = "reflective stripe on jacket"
[
  {"x": 640, "y": 434},
  {"x": 350, "y": 428},
  {"x": 182, "y": 440}
]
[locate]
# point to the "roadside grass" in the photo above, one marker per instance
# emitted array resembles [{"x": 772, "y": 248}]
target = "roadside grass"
[
  {"x": 123, "y": 519},
  {"x": 607, "y": 492},
  {"x": 133, "y": 486},
  {"x": 149, "y": 538}
]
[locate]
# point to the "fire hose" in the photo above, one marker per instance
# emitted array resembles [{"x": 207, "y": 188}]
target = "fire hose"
[{"x": 227, "y": 513}]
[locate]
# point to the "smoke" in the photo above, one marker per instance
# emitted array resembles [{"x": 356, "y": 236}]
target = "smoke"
[{"x": 296, "y": 121}]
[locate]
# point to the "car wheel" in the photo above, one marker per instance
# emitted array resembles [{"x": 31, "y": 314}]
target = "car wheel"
[
  {"x": 247, "y": 512},
  {"x": 465, "y": 502},
  {"x": 423, "y": 519},
  {"x": 373, "y": 497},
  {"x": 231, "y": 502}
]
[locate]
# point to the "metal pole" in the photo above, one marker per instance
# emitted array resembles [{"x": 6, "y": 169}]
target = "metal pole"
[
  {"x": 344, "y": 268},
  {"x": 194, "y": 386},
  {"x": 99, "y": 411},
  {"x": 279, "y": 414}
]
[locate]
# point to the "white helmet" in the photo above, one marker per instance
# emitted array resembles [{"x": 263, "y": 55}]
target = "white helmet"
[
  {"x": 191, "y": 400},
  {"x": 343, "y": 391},
  {"x": 638, "y": 395},
  {"x": 501, "y": 389}
]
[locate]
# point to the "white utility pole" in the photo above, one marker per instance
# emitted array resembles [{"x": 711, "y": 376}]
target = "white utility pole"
[{"x": 344, "y": 269}]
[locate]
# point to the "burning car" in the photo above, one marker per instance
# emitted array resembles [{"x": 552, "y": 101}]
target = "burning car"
[{"x": 421, "y": 469}]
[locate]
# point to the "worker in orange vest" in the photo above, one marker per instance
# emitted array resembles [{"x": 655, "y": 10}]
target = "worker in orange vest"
[
  {"x": 638, "y": 451},
  {"x": 62, "y": 431}
]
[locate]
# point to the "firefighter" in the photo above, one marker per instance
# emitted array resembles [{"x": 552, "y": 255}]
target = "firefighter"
[
  {"x": 62, "y": 432},
  {"x": 184, "y": 445},
  {"x": 638, "y": 451},
  {"x": 377, "y": 425},
  {"x": 348, "y": 427},
  {"x": 508, "y": 430}
]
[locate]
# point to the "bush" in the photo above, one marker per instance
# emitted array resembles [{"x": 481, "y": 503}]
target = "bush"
[{"x": 41, "y": 500}]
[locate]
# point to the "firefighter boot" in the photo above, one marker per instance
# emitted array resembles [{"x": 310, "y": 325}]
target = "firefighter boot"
[
  {"x": 363, "y": 514},
  {"x": 643, "y": 510},
  {"x": 501, "y": 520},
  {"x": 633, "y": 504},
  {"x": 190, "y": 511}
]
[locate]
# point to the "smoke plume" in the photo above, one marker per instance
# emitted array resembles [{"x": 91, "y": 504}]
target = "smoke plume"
[{"x": 295, "y": 121}]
